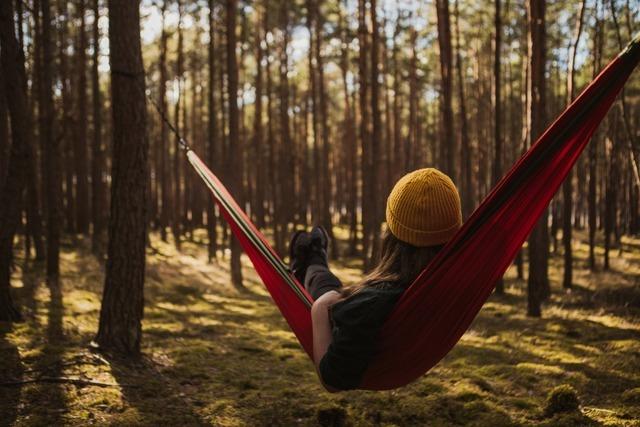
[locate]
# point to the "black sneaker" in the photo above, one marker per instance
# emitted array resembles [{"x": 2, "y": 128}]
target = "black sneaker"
[
  {"x": 319, "y": 248},
  {"x": 299, "y": 248}
]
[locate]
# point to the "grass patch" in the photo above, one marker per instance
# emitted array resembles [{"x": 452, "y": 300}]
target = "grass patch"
[{"x": 213, "y": 356}]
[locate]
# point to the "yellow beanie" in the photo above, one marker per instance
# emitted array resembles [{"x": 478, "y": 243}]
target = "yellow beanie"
[{"x": 423, "y": 208}]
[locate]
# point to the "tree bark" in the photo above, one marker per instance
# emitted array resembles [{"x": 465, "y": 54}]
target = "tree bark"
[
  {"x": 593, "y": 147},
  {"x": 497, "y": 117},
  {"x": 33, "y": 231},
  {"x": 567, "y": 188},
  {"x": 324, "y": 170},
  {"x": 5, "y": 145},
  {"x": 67, "y": 123},
  {"x": 165, "y": 170},
  {"x": 98, "y": 190},
  {"x": 122, "y": 302},
  {"x": 349, "y": 142},
  {"x": 51, "y": 149},
  {"x": 376, "y": 136},
  {"x": 447, "y": 143},
  {"x": 538, "y": 281},
  {"x": 235, "y": 148},
  {"x": 11, "y": 193},
  {"x": 365, "y": 136},
  {"x": 213, "y": 133},
  {"x": 176, "y": 223},
  {"x": 465, "y": 142},
  {"x": 80, "y": 148}
]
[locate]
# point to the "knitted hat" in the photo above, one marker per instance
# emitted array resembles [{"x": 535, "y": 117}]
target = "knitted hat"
[{"x": 423, "y": 208}]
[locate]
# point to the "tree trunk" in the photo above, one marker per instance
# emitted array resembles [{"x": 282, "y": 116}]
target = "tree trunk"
[
  {"x": 349, "y": 143},
  {"x": 67, "y": 123},
  {"x": 593, "y": 148},
  {"x": 34, "y": 188},
  {"x": 11, "y": 193},
  {"x": 98, "y": 190},
  {"x": 447, "y": 143},
  {"x": 176, "y": 223},
  {"x": 538, "y": 280},
  {"x": 122, "y": 302},
  {"x": 365, "y": 136},
  {"x": 258, "y": 129},
  {"x": 213, "y": 133},
  {"x": 316, "y": 197},
  {"x": 80, "y": 148},
  {"x": 465, "y": 158},
  {"x": 325, "y": 170},
  {"x": 51, "y": 150},
  {"x": 497, "y": 99},
  {"x": 376, "y": 136},
  {"x": 567, "y": 188},
  {"x": 235, "y": 148},
  {"x": 287, "y": 165},
  {"x": 165, "y": 171},
  {"x": 5, "y": 146}
]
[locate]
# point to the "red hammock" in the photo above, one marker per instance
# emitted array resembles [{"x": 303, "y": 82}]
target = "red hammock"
[{"x": 439, "y": 306}]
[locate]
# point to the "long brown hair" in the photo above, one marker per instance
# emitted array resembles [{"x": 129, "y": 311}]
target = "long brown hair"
[{"x": 400, "y": 264}]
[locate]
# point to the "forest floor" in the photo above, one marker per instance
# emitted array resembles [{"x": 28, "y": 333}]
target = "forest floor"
[{"x": 215, "y": 356}]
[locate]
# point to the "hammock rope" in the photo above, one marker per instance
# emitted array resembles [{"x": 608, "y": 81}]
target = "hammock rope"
[{"x": 436, "y": 310}]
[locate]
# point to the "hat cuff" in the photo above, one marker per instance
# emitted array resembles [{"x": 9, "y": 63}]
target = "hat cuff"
[{"x": 420, "y": 238}]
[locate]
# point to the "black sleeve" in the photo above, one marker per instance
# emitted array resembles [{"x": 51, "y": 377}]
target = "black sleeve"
[{"x": 357, "y": 322}]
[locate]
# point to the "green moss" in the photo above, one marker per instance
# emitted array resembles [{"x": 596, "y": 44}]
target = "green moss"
[{"x": 213, "y": 356}]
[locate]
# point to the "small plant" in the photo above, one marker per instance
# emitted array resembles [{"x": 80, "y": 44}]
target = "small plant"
[
  {"x": 563, "y": 398},
  {"x": 332, "y": 416}
]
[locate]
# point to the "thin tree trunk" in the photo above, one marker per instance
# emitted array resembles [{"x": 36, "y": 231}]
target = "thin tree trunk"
[
  {"x": 213, "y": 134},
  {"x": 80, "y": 148},
  {"x": 122, "y": 302},
  {"x": 98, "y": 190},
  {"x": 5, "y": 145},
  {"x": 376, "y": 136},
  {"x": 593, "y": 148},
  {"x": 349, "y": 143},
  {"x": 235, "y": 148},
  {"x": 611, "y": 199},
  {"x": 165, "y": 171},
  {"x": 67, "y": 123},
  {"x": 538, "y": 279},
  {"x": 447, "y": 143},
  {"x": 325, "y": 170},
  {"x": 411, "y": 145},
  {"x": 497, "y": 98},
  {"x": 466, "y": 148},
  {"x": 176, "y": 223},
  {"x": 567, "y": 189},
  {"x": 51, "y": 150},
  {"x": 400, "y": 163},
  {"x": 11, "y": 193},
  {"x": 258, "y": 129},
  {"x": 35, "y": 204},
  {"x": 365, "y": 136}
]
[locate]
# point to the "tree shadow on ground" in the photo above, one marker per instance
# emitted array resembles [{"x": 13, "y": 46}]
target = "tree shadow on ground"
[
  {"x": 50, "y": 398},
  {"x": 11, "y": 369},
  {"x": 146, "y": 389}
]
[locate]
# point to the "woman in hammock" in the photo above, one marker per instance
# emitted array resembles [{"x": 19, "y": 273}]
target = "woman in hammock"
[{"x": 423, "y": 212}]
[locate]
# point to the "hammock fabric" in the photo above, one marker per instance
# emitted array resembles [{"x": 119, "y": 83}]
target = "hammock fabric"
[{"x": 436, "y": 310}]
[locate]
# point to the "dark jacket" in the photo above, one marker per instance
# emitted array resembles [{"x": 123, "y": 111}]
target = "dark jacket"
[{"x": 356, "y": 323}]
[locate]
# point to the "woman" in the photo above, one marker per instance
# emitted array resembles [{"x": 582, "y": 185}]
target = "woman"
[{"x": 423, "y": 212}]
